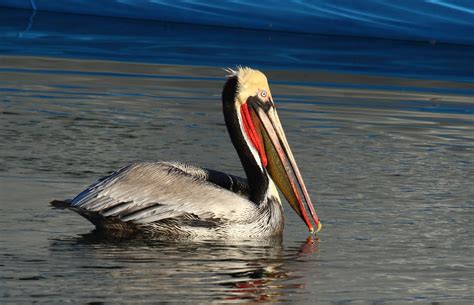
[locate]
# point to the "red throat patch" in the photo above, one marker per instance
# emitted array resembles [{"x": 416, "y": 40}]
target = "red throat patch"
[{"x": 253, "y": 131}]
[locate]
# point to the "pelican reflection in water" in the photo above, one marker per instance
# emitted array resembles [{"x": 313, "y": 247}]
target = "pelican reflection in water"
[
  {"x": 174, "y": 200},
  {"x": 217, "y": 271}
]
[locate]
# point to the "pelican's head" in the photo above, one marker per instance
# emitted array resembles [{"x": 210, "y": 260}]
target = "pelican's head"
[{"x": 264, "y": 135}]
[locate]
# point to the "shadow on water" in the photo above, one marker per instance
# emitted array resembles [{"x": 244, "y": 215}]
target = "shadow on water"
[{"x": 248, "y": 270}]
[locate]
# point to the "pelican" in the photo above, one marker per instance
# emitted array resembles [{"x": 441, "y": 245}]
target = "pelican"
[{"x": 173, "y": 200}]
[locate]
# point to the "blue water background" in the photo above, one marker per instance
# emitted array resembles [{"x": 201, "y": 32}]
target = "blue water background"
[{"x": 432, "y": 20}]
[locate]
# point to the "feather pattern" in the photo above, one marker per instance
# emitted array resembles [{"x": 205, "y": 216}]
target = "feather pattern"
[{"x": 172, "y": 197}]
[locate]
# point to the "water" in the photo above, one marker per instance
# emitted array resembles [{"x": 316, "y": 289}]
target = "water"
[{"x": 390, "y": 171}]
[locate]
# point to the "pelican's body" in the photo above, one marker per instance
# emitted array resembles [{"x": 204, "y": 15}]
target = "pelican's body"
[
  {"x": 171, "y": 199},
  {"x": 178, "y": 200}
]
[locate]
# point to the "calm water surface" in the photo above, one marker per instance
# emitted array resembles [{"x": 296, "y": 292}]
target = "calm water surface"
[{"x": 389, "y": 163}]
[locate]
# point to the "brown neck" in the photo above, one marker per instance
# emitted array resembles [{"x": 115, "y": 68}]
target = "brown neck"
[{"x": 257, "y": 179}]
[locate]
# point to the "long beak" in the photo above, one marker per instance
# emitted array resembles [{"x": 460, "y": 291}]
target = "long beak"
[{"x": 282, "y": 165}]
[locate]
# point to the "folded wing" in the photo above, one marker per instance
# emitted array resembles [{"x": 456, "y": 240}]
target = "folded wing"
[{"x": 143, "y": 193}]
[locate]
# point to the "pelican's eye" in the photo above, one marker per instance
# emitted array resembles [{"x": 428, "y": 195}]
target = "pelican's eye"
[{"x": 263, "y": 93}]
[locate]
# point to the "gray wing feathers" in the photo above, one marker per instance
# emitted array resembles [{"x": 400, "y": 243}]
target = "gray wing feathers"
[{"x": 149, "y": 192}]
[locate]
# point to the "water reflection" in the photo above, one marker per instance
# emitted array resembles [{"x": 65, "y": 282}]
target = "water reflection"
[
  {"x": 93, "y": 37},
  {"x": 249, "y": 270}
]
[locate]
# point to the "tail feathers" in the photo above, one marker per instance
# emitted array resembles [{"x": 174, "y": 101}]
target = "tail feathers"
[
  {"x": 61, "y": 204},
  {"x": 110, "y": 223}
]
